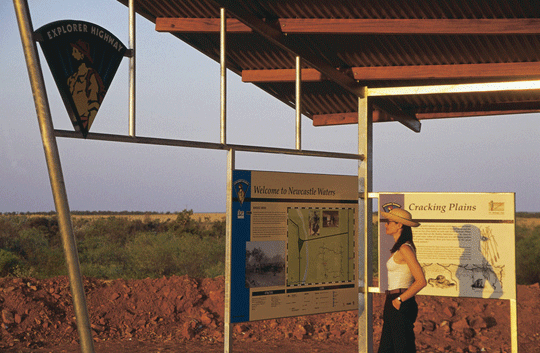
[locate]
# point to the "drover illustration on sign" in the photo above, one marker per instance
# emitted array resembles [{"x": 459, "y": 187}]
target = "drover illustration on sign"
[{"x": 83, "y": 58}]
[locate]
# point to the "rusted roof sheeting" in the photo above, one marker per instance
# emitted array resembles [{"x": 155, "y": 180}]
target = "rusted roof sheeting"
[{"x": 504, "y": 45}]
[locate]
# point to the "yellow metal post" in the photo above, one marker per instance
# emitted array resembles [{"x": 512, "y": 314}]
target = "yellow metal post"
[
  {"x": 513, "y": 325},
  {"x": 55, "y": 174},
  {"x": 365, "y": 171}
]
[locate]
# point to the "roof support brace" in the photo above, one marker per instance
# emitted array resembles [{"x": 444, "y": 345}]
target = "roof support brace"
[
  {"x": 296, "y": 48},
  {"x": 276, "y": 36}
]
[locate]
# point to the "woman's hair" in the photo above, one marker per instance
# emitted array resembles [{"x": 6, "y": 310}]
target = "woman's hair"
[{"x": 405, "y": 237}]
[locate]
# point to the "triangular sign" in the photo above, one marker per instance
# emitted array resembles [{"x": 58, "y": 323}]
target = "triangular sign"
[{"x": 83, "y": 58}]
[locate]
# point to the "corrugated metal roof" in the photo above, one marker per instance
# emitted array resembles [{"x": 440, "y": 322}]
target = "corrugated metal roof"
[{"x": 428, "y": 51}]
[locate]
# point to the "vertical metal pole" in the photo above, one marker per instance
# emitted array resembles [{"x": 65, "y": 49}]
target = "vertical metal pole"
[
  {"x": 223, "y": 75},
  {"x": 298, "y": 103},
  {"x": 55, "y": 174},
  {"x": 513, "y": 325},
  {"x": 365, "y": 173},
  {"x": 228, "y": 239},
  {"x": 132, "y": 68}
]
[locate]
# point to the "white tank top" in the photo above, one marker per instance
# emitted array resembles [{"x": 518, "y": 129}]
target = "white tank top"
[{"x": 399, "y": 275}]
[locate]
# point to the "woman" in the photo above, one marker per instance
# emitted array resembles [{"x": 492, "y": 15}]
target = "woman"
[{"x": 405, "y": 279}]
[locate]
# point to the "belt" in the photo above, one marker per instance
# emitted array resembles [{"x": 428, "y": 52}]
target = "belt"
[{"x": 396, "y": 291}]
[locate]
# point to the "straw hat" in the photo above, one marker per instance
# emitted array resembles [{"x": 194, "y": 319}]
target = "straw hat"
[{"x": 400, "y": 216}]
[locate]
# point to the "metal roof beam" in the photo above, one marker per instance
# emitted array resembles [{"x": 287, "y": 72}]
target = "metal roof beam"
[
  {"x": 411, "y": 26},
  {"x": 416, "y": 72},
  {"x": 360, "y": 26},
  {"x": 199, "y": 25},
  {"x": 526, "y": 85},
  {"x": 389, "y": 111},
  {"x": 381, "y": 116}
]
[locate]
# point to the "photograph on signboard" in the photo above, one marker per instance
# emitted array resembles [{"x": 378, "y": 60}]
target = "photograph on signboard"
[{"x": 265, "y": 263}]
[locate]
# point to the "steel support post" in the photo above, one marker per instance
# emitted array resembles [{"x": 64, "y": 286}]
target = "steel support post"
[
  {"x": 298, "y": 103},
  {"x": 513, "y": 326},
  {"x": 223, "y": 75},
  {"x": 132, "y": 68},
  {"x": 228, "y": 260},
  {"x": 230, "y": 168},
  {"x": 365, "y": 171},
  {"x": 55, "y": 174}
]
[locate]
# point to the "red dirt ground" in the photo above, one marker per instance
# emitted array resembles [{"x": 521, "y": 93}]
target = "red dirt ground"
[{"x": 182, "y": 314}]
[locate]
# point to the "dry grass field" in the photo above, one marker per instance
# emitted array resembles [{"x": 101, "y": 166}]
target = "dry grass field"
[
  {"x": 528, "y": 222},
  {"x": 162, "y": 217}
]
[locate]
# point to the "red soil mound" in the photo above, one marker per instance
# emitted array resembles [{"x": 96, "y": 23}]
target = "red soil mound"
[{"x": 179, "y": 314}]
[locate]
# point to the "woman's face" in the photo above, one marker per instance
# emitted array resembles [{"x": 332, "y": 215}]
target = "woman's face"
[{"x": 392, "y": 227}]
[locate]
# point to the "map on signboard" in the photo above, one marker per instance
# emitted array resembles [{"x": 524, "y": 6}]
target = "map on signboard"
[{"x": 320, "y": 246}]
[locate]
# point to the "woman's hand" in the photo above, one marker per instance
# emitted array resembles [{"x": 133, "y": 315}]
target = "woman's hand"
[{"x": 396, "y": 303}]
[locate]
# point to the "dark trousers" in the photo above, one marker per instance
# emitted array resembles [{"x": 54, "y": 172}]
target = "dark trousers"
[{"x": 398, "y": 327}]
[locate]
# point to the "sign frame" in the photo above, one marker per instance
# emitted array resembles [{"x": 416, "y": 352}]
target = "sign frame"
[{"x": 298, "y": 219}]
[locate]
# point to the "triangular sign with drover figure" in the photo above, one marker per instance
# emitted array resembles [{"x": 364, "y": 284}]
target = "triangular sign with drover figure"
[{"x": 83, "y": 58}]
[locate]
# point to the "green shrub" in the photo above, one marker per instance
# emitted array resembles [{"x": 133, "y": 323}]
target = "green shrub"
[
  {"x": 8, "y": 262},
  {"x": 528, "y": 255},
  {"x": 115, "y": 229},
  {"x": 166, "y": 254},
  {"x": 9, "y": 231},
  {"x": 185, "y": 224},
  {"x": 116, "y": 247},
  {"x": 100, "y": 257},
  {"x": 36, "y": 256}
]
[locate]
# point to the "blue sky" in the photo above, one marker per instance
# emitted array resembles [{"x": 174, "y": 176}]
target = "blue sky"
[{"x": 178, "y": 97}]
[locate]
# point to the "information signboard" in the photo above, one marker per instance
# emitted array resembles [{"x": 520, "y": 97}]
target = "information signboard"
[
  {"x": 294, "y": 248},
  {"x": 465, "y": 242}
]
